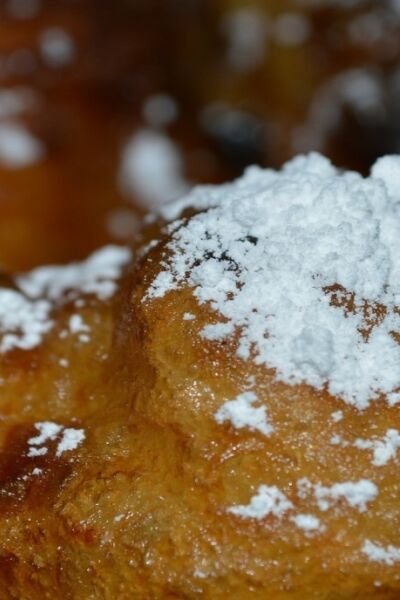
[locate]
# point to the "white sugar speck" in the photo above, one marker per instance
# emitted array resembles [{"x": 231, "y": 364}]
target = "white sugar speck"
[
  {"x": 32, "y": 452},
  {"x": 77, "y": 325},
  {"x": 187, "y": 316},
  {"x": 377, "y": 553},
  {"x": 217, "y": 331},
  {"x": 337, "y": 440},
  {"x": 307, "y": 522},
  {"x": 119, "y": 518},
  {"x": 337, "y": 416},
  {"x": 71, "y": 439},
  {"x": 383, "y": 450},
  {"x": 68, "y": 438},
  {"x": 357, "y": 494},
  {"x": 200, "y": 574},
  {"x": 47, "y": 431},
  {"x": 241, "y": 413},
  {"x": 269, "y": 500}
]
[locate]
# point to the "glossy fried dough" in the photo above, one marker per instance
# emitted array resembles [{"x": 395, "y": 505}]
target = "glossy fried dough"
[
  {"x": 139, "y": 508},
  {"x": 140, "y": 458}
]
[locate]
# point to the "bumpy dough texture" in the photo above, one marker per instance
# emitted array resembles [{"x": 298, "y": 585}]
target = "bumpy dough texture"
[{"x": 139, "y": 509}]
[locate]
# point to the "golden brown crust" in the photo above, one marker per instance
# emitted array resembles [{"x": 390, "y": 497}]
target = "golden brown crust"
[{"x": 139, "y": 509}]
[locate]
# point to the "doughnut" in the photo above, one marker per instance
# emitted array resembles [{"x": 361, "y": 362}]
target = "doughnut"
[{"x": 214, "y": 412}]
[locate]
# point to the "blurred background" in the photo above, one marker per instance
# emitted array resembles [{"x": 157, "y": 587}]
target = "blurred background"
[{"x": 111, "y": 107}]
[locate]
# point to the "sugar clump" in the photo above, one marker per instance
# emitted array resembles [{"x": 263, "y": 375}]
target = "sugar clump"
[
  {"x": 299, "y": 261},
  {"x": 26, "y": 313},
  {"x": 269, "y": 500},
  {"x": 242, "y": 414},
  {"x": 378, "y": 553}
]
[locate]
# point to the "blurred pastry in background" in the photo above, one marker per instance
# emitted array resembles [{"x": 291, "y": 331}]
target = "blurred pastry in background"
[{"x": 108, "y": 111}]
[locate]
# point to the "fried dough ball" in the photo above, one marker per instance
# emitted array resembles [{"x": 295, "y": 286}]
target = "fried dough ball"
[{"x": 177, "y": 457}]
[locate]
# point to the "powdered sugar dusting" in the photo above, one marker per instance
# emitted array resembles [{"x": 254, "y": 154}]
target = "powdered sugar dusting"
[
  {"x": 337, "y": 416},
  {"x": 47, "y": 431},
  {"x": 282, "y": 255},
  {"x": 97, "y": 275},
  {"x": 241, "y": 413},
  {"x": 25, "y": 315},
  {"x": 357, "y": 494},
  {"x": 383, "y": 450},
  {"x": 69, "y": 438},
  {"x": 378, "y": 553},
  {"x": 77, "y": 325},
  {"x": 307, "y": 522},
  {"x": 24, "y": 322},
  {"x": 268, "y": 500}
]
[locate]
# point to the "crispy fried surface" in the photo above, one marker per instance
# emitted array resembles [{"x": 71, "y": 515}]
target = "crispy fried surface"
[{"x": 139, "y": 509}]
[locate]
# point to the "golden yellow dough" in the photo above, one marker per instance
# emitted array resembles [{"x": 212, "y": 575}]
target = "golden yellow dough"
[{"x": 139, "y": 509}]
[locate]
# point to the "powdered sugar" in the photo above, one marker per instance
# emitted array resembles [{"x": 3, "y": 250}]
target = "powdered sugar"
[
  {"x": 47, "y": 431},
  {"x": 22, "y": 321},
  {"x": 337, "y": 416},
  {"x": 280, "y": 255},
  {"x": 357, "y": 494},
  {"x": 378, "y": 553},
  {"x": 242, "y": 414},
  {"x": 383, "y": 450},
  {"x": 187, "y": 316},
  {"x": 25, "y": 317},
  {"x": 307, "y": 522},
  {"x": 77, "y": 325},
  {"x": 217, "y": 331},
  {"x": 96, "y": 275},
  {"x": 269, "y": 500},
  {"x": 69, "y": 438}
]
